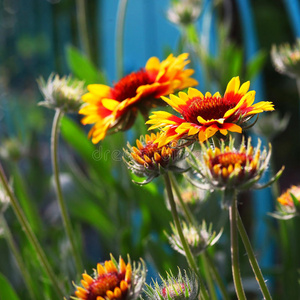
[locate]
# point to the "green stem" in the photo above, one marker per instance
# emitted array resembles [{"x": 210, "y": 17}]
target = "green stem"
[
  {"x": 60, "y": 199},
  {"x": 210, "y": 283},
  {"x": 82, "y": 28},
  {"x": 252, "y": 259},
  {"x": 216, "y": 276},
  {"x": 187, "y": 212},
  {"x": 14, "y": 249},
  {"x": 188, "y": 253},
  {"x": 120, "y": 37},
  {"x": 234, "y": 251},
  {"x": 30, "y": 234}
]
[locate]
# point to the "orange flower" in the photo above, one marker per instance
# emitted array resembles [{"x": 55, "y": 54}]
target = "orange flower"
[
  {"x": 286, "y": 198},
  {"x": 205, "y": 115},
  {"x": 117, "y": 107},
  {"x": 112, "y": 281}
]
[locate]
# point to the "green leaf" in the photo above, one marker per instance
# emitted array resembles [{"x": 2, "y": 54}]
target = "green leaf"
[
  {"x": 6, "y": 290},
  {"x": 255, "y": 65},
  {"x": 82, "y": 68},
  {"x": 77, "y": 138}
]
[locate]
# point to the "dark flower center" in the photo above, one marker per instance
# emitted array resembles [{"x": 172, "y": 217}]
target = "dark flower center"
[
  {"x": 127, "y": 86},
  {"x": 210, "y": 107},
  {"x": 104, "y": 283}
]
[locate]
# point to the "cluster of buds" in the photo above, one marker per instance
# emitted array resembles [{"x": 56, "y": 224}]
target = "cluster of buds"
[
  {"x": 288, "y": 204},
  {"x": 180, "y": 288},
  {"x": 149, "y": 160},
  {"x": 198, "y": 238},
  {"x": 184, "y": 12},
  {"x": 61, "y": 93},
  {"x": 286, "y": 59},
  {"x": 113, "y": 280}
]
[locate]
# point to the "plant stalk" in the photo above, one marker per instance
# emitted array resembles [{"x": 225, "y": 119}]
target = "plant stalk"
[
  {"x": 207, "y": 273},
  {"x": 82, "y": 27},
  {"x": 217, "y": 277},
  {"x": 30, "y": 235},
  {"x": 60, "y": 199},
  {"x": 252, "y": 259},
  {"x": 189, "y": 256},
  {"x": 14, "y": 249},
  {"x": 120, "y": 37},
  {"x": 234, "y": 251}
]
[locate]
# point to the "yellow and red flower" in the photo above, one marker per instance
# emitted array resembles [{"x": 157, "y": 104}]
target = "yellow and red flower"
[
  {"x": 117, "y": 107},
  {"x": 202, "y": 116},
  {"x": 112, "y": 281},
  {"x": 149, "y": 160}
]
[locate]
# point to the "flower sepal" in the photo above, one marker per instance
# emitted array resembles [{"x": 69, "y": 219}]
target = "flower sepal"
[
  {"x": 198, "y": 238},
  {"x": 184, "y": 286},
  {"x": 149, "y": 160}
]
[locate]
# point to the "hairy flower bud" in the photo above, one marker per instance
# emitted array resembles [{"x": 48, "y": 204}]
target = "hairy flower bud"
[{"x": 61, "y": 93}]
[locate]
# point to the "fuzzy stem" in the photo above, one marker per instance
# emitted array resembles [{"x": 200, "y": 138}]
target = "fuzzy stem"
[
  {"x": 187, "y": 212},
  {"x": 30, "y": 235},
  {"x": 120, "y": 37},
  {"x": 189, "y": 256},
  {"x": 252, "y": 259},
  {"x": 60, "y": 199},
  {"x": 234, "y": 250},
  {"x": 207, "y": 273},
  {"x": 217, "y": 277},
  {"x": 14, "y": 249}
]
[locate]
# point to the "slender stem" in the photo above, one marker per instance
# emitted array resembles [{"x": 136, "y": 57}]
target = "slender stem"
[
  {"x": 187, "y": 212},
  {"x": 188, "y": 253},
  {"x": 60, "y": 199},
  {"x": 120, "y": 37},
  {"x": 252, "y": 259},
  {"x": 30, "y": 234},
  {"x": 234, "y": 251},
  {"x": 82, "y": 27},
  {"x": 210, "y": 283},
  {"x": 298, "y": 88},
  {"x": 216, "y": 276},
  {"x": 14, "y": 249}
]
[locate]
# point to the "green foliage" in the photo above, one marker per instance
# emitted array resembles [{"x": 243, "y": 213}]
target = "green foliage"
[
  {"x": 81, "y": 67},
  {"x": 6, "y": 290}
]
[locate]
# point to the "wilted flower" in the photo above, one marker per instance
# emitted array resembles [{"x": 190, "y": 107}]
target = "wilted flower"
[
  {"x": 228, "y": 168},
  {"x": 149, "y": 160},
  {"x": 112, "y": 281},
  {"x": 184, "y": 12},
  {"x": 61, "y": 93},
  {"x": 286, "y": 59},
  {"x": 192, "y": 197},
  {"x": 205, "y": 115},
  {"x": 12, "y": 149},
  {"x": 198, "y": 238},
  {"x": 172, "y": 288},
  {"x": 289, "y": 204},
  {"x": 270, "y": 125},
  {"x": 116, "y": 107}
]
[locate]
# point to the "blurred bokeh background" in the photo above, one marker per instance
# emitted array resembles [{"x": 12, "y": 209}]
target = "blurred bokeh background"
[{"x": 109, "y": 213}]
